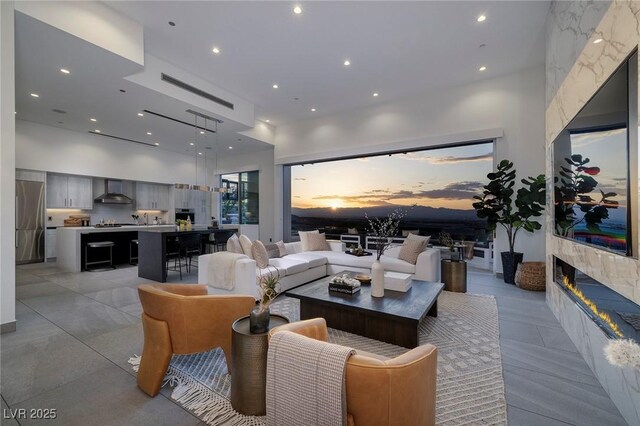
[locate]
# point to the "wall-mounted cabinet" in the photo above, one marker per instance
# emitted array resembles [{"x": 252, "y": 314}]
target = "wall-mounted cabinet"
[
  {"x": 66, "y": 191},
  {"x": 151, "y": 196},
  {"x": 183, "y": 198},
  {"x": 202, "y": 206}
]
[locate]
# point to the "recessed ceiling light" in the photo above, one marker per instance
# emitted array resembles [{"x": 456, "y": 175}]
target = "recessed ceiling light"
[
  {"x": 97, "y": 131},
  {"x": 313, "y": 110},
  {"x": 199, "y": 153},
  {"x": 202, "y": 132},
  {"x": 267, "y": 120},
  {"x": 191, "y": 143},
  {"x": 35, "y": 95},
  {"x": 598, "y": 40},
  {"x": 275, "y": 86},
  {"x": 375, "y": 94},
  {"x": 149, "y": 133},
  {"x": 216, "y": 50},
  {"x": 481, "y": 18},
  {"x": 93, "y": 119},
  {"x": 482, "y": 68},
  {"x": 156, "y": 144},
  {"x": 65, "y": 71},
  {"x": 297, "y": 10},
  {"x": 140, "y": 114},
  {"x": 230, "y": 147},
  {"x": 347, "y": 62}
]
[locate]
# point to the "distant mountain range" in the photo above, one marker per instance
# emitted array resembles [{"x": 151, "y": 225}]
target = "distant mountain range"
[{"x": 416, "y": 213}]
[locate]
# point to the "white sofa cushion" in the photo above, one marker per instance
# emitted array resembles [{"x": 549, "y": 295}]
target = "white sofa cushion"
[
  {"x": 304, "y": 240},
  {"x": 289, "y": 266},
  {"x": 245, "y": 242},
  {"x": 314, "y": 259}
]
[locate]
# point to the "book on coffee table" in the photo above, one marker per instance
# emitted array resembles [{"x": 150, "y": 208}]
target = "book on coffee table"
[{"x": 343, "y": 289}]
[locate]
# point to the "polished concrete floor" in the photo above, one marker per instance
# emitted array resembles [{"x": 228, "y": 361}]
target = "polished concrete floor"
[{"x": 76, "y": 331}]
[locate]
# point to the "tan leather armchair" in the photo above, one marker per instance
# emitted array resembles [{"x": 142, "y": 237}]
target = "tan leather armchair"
[
  {"x": 398, "y": 391},
  {"x": 184, "y": 319}
]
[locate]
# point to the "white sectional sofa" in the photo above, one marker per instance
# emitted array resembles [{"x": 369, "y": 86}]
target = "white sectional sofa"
[{"x": 299, "y": 267}]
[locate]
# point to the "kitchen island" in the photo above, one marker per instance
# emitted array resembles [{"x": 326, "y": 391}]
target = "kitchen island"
[
  {"x": 152, "y": 260},
  {"x": 71, "y": 240}
]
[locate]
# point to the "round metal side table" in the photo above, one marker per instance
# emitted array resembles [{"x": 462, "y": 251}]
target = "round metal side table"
[
  {"x": 249, "y": 366},
  {"x": 454, "y": 275}
]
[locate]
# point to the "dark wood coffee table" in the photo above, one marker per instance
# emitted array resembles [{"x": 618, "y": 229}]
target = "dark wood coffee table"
[{"x": 393, "y": 318}]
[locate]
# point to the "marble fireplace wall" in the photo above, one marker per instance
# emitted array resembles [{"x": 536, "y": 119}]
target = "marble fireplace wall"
[{"x": 576, "y": 68}]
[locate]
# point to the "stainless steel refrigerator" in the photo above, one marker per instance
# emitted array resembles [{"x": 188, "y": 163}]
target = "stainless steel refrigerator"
[{"x": 29, "y": 221}]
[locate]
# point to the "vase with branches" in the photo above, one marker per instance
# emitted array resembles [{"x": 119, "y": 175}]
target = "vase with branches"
[
  {"x": 498, "y": 205},
  {"x": 383, "y": 229}
]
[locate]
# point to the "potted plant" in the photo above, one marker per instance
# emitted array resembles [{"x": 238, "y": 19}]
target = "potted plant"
[
  {"x": 260, "y": 314},
  {"x": 384, "y": 229},
  {"x": 447, "y": 241},
  {"x": 498, "y": 206}
]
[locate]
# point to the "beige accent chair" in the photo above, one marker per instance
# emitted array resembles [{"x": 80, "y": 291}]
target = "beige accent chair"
[
  {"x": 184, "y": 319},
  {"x": 395, "y": 392}
]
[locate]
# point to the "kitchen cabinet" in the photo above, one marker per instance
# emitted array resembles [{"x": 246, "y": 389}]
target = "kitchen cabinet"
[
  {"x": 64, "y": 191},
  {"x": 50, "y": 242},
  {"x": 183, "y": 198},
  {"x": 202, "y": 206},
  {"x": 150, "y": 196}
]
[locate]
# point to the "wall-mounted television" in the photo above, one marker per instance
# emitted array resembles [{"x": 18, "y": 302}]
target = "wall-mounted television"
[{"x": 594, "y": 160}]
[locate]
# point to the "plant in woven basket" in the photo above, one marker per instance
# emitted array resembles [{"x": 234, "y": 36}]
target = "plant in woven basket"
[{"x": 384, "y": 229}]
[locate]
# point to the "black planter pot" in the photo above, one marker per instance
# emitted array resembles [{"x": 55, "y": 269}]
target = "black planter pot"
[
  {"x": 510, "y": 263},
  {"x": 259, "y": 320}
]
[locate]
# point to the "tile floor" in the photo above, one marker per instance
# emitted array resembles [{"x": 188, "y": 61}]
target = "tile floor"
[{"x": 77, "y": 330}]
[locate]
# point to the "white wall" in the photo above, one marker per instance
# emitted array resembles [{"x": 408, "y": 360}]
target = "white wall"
[
  {"x": 514, "y": 103},
  {"x": 41, "y": 147},
  {"x": 7, "y": 169},
  {"x": 262, "y": 161}
]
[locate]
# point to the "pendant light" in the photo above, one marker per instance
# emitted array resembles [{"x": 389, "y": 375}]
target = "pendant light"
[{"x": 195, "y": 186}]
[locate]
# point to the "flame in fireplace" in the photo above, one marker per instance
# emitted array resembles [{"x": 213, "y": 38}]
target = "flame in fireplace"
[{"x": 592, "y": 306}]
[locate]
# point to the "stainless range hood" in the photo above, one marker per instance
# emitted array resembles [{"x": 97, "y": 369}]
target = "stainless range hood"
[{"x": 113, "y": 193}]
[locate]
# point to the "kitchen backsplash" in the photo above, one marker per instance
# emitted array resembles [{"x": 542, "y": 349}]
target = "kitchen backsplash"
[{"x": 115, "y": 212}]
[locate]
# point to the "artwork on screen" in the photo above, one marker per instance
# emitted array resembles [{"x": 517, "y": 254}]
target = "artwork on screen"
[{"x": 591, "y": 169}]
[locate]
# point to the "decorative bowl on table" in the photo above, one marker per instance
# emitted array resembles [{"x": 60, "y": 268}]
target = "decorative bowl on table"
[{"x": 364, "y": 279}]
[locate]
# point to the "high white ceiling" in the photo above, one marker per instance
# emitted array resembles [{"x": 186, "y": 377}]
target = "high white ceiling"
[
  {"x": 92, "y": 90},
  {"x": 396, "y": 48}
]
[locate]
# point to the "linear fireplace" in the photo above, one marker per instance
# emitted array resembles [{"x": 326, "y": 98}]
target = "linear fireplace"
[{"x": 617, "y": 316}]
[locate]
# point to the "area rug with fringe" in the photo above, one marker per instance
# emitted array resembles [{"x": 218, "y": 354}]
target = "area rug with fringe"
[{"x": 470, "y": 387}]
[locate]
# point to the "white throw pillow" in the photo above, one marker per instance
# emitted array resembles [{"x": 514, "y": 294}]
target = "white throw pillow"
[
  {"x": 303, "y": 238},
  {"x": 259, "y": 253},
  {"x": 245, "y": 242},
  {"x": 282, "y": 248},
  {"x": 317, "y": 242},
  {"x": 412, "y": 247},
  {"x": 233, "y": 244}
]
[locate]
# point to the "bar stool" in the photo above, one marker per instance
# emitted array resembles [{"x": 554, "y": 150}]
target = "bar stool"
[
  {"x": 98, "y": 245},
  {"x": 132, "y": 244}
]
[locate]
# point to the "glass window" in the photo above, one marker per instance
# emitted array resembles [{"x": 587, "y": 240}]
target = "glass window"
[
  {"x": 239, "y": 203},
  {"x": 440, "y": 183}
]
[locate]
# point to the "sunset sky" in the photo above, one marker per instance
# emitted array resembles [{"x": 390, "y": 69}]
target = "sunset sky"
[{"x": 436, "y": 178}]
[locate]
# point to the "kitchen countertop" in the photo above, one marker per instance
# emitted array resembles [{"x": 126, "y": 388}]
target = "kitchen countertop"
[{"x": 88, "y": 229}]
